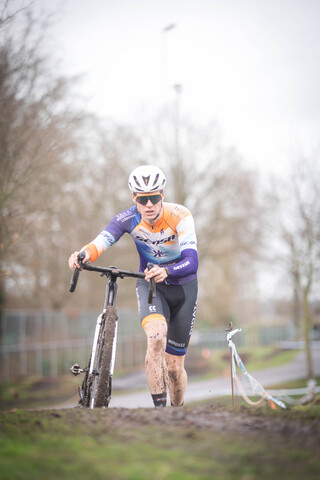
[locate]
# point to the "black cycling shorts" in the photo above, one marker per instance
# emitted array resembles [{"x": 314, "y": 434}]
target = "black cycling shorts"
[{"x": 177, "y": 303}]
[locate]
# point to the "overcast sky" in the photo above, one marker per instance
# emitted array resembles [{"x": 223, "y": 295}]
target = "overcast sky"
[{"x": 253, "y": 65}]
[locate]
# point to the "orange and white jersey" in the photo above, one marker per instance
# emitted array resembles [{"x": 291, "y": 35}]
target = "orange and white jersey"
[{"x": 170, "y": 242}]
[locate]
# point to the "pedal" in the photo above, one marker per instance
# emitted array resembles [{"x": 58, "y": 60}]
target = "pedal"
[{"x": 76, "y": 369}]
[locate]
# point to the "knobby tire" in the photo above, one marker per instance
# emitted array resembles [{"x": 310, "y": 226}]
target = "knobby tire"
[
  {"x": 86, "y": 388},
  {"x": 98, "y": 387},
  {"x": 103, "y": 393}
]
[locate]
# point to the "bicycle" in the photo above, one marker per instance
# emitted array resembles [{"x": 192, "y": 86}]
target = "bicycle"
[{"x": 96, "y": 388}]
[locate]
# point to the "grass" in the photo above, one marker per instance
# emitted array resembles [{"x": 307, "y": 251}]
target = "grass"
[
  {"x": 239, "y": 402},
  {"x": 99, "y": 444},
  {"x": 118, "y": 444},
  {"x": 217, "y": 362},
  {"x": 179, "y": 444},
  {"x": 33, "y": 392}
]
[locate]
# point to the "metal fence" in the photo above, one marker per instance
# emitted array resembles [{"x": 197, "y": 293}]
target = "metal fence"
[{"x": 48, "y": 342}]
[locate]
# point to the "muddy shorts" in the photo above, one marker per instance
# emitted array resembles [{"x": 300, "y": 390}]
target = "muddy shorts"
[{"x": 177, "y": 303}]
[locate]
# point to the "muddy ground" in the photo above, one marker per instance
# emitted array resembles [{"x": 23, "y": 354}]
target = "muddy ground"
[
  {"x": 201, "y": 442},
  {"x": 300, "y": 424}
]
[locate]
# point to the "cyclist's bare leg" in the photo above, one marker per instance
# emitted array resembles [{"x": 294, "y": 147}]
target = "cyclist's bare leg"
[
  {"x": 156, "y": 367},
  {"x": 177, "y": 378}
]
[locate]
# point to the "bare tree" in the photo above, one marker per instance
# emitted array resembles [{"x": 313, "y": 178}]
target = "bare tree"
[
  {"x": 296, "y": 210},
  {"x": 41, "y": 155}
]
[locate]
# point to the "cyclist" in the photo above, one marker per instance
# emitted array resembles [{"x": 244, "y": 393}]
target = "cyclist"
[{"x": 164, "y": 234}]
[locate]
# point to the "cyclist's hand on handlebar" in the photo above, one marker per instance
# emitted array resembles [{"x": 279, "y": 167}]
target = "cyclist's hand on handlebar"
[
  {"x": 74, "y": 260},
  {"x": 159, "y": 274}
]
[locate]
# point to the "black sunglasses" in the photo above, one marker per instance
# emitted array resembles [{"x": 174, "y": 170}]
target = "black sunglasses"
[{"x": 153, "y": 198}]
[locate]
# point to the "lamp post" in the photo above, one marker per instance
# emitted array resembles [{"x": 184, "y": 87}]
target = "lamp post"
[
  {"x": 178, "y": 173},
  {"x": 165, "y": 30}
]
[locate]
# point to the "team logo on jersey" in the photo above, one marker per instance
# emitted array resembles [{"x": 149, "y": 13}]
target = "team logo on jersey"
[
  {"x": 155, "y": 242},
  {"x": 159, "y": 253},
  {"x": 108, "y": 236}
]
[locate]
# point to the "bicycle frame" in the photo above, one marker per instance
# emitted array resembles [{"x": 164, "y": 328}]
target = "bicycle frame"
[{"x": 96, "y": 386}]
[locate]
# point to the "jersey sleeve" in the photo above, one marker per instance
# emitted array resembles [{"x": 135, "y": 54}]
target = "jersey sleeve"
[
  {"x": 188, "y": 262},
  {"x": 119, "y": 225},
  {"x": 104, "y": 240},
  {"x": 186, "y": 233},
  {"x": 187, "y": 265}
]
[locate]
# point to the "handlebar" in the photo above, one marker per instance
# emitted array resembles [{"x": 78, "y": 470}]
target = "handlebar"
[
  {"x": 76, "y": 272},
  {"x": 110, "y": 271}
]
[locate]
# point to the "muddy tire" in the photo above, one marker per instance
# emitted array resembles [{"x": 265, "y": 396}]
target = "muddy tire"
[
  {"x": 85, "y": 389},
  {"x": 104, "y": 379}
]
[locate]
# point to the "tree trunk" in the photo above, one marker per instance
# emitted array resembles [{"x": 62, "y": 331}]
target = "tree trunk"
[{"x": 306, "y": 332}]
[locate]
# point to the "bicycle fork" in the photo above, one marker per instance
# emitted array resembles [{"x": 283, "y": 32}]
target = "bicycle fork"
[
  {"x": 95, "y": 342},
  {"x": 111, "y": 295}
]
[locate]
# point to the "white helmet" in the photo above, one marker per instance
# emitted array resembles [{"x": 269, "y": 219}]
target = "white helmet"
[{"x": 146, "y": 178}]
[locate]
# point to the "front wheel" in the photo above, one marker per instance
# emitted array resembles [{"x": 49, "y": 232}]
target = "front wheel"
[
  {"x": 102, "y": 381},
  {"x": 85, "y": 389}
]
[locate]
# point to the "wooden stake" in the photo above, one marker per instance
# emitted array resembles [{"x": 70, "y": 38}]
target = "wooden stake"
[{"x": 231, "y": 376}]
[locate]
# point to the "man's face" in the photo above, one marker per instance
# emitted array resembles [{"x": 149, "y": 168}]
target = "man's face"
[{"x": 149, "y": 205}]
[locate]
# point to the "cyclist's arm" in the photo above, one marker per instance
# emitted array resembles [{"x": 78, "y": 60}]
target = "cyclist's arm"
[
  {"x": 102, "y": 242},
  {"x": 188, "y": 261},
  {"x": 110, "y": 235},
  {"x": 187, "y": 264}
]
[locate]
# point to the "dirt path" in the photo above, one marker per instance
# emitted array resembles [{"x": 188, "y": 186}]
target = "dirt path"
[
  {"x": 139, "y": 397},
  {"x": 202, "y": 442}
]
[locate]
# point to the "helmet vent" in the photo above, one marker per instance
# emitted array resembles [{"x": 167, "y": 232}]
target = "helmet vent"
[
  {"x": 146, "y": 180},
  {"x": 137, "y": 182},
  {"x": 155, "y": 180}
]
